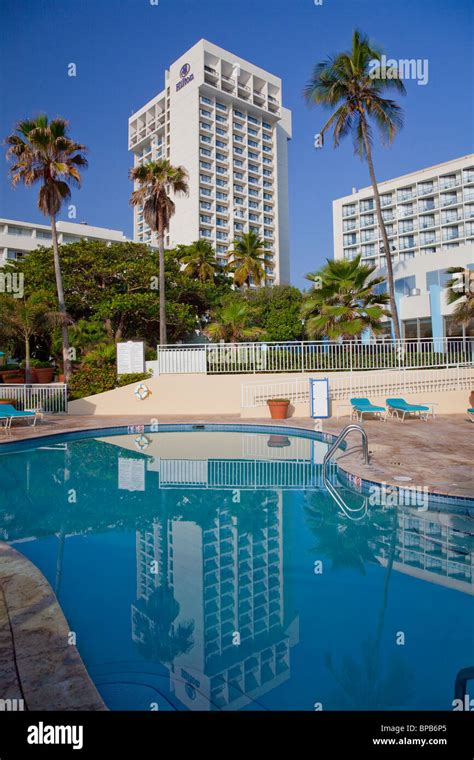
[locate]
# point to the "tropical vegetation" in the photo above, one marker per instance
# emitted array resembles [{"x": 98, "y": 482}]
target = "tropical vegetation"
[
  {"x": 42, "y": 152},
  {"x": 344, "y": 300},
  {"x": 156, "y": 180},
  {"x": 350, "y": 83}
]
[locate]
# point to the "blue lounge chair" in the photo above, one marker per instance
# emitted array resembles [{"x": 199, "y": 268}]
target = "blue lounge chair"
[
  {"x": 8, "y": 413},
  {"x": 471, "y": 413},
  {"x": 398, "y": 407},
  {"x": 361, "y": 406}
]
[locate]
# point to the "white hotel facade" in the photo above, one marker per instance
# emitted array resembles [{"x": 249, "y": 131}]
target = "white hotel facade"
[
  {"x": 222, "y": 119},
  {"x": 429, "y": 216}
]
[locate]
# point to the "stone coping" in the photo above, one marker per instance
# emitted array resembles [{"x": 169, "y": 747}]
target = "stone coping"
[{"x": 38, "y": 667}]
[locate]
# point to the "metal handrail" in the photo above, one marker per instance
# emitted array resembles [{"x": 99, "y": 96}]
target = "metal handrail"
[{"x": 342, "y": 435}]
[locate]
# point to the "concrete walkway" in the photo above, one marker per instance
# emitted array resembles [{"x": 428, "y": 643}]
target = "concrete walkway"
[{"x": 437, "y": 454}]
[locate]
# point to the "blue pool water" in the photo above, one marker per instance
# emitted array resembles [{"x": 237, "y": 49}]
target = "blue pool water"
[{"x": 213, "y": 570}]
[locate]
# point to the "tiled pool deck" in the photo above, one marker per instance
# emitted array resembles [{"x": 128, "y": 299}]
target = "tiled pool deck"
[{"x": 39, "y": 666}]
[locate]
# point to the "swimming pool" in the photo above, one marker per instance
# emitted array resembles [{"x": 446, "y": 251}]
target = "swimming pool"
[{"x": 212, "y": 569}]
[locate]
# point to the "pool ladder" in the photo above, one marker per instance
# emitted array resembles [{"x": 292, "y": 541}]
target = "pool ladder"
[{"x": 360, "y": 512}]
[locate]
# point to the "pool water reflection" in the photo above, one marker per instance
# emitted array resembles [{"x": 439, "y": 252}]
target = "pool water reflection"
[{"x": 210, "y": 571}]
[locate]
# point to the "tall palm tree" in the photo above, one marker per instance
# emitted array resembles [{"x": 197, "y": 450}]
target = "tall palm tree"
[
  {"x": 344, "y": 301},
  {"x": 199, "y": 259},
  {"x": 248, "y": 259},
  {"x": 43, "y": 152},
  {"x": 350, "y": 81},
  {"x": 156, "y": 180},
  {"x": 233, "y": 324},
  {"x": 460, "y": 291}
]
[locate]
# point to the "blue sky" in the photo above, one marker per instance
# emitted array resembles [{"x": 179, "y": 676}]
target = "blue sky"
[{"x": 122, "y": 47}]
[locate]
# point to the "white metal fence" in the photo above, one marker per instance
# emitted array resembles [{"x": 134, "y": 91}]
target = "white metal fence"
[
  {"x": 345, "y": 386},
  {"x": 49, "y": 398},
  {"x": 314, "y": 356}
]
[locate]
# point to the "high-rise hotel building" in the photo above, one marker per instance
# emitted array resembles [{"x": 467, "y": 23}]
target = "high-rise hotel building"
[
  {"x": 222, "y": 119},
  {"x": 425, "y": 212}
]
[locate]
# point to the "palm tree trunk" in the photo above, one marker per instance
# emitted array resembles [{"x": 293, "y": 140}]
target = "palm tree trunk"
[
  {"x": 162, "y": 279},
  {"x": 388, "y": 255},
  {"x": 27, "y": 360},
  {"x": 61, "y": 303}
]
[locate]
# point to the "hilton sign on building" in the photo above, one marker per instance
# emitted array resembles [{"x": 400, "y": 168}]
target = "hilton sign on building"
[{"x": 221, "y": 118}]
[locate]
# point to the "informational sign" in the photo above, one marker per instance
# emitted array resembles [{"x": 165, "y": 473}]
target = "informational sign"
[
  {"x": 131, "y": 474},
  {"x": 319, "y": 397},
  {"x": 130, "y": 357}
]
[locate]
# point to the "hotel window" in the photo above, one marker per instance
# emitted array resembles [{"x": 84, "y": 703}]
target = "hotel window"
[
  {"x": 239, "y": 202},
  {"x": 417, "y": 329},
  {"x": 448, "y": 199},
  {"x": 266, "y": 207},
  {"x": 251, "y": 131},
  {"x": 205, "y": 233},
  {"x": 350, "y": 239},
  {"x": 205, "y": 152},
  {"x": 238, "y": 138},
  {"x": 425, "y": 187},
  {"x": 349, "y": 210},
  {"x": 253, "y": 204},
  {"x": 204, "y": 178},
  {"x": 205, "y": 218},
  {"x": 238, "y": 162},
  {"x": 367, "y": 220},
  {"x": 221, "y": 119},
  {"x": 451, "y": 215},
  {"x": 404, "y": 285},
  {"x": 238, "y": 226},
  {"x": 349, "y": 253},
  {"x": 407, "y": 242},
  {"x": 253, "y": 120},
  {"x": 206, "y": 139},
  {"x": 205, "y": 165},
  {"x": 220, "y": 131},
  {"x": 365, "y": 235},
  {"x": 253, "y": 144},
  {"x": 205, "y": 126},
  {"x": 254, "y": 217},
  {"x": 267, "y": 173},
  {"x": 208, "y": 101},
  {"x": 221, "y": 196},
  {"x": 220, "y": 144},
  {"x": 266, "y": 149},
  {"x": 267, "y": 220},
  {"x": 239, "y": 113},
  {"x": 205, "y": 190},
  {"x": 408, "y": 226},
  {"x": 221, "y": 183},
  {"x": 367, "y": 250},
  {"x": 253, "y": 155},
  {"x": 266, "y": 184},
  {"x": 253, "y": 192},
  {"x": 266, "y": 125},
  {"x": 221, "y": 235},
  {"x": 221, "y": 157},
  {"x": 206, "y": 206},
  {"x": 221, "y": 209},
  {"x": 267, "y": 196},
  {"x": 468, "y": 175},
  {"x": 253, "y": 168},
  {"x": 348, "y": 225},
  {"x": 449, "y": 180},
  {"x": 221, "y": 223},
  {"x": 386, "y": 200},
  {"x": 221, "y": 170},
  {"x": 437, "y": 277},
  {"x": 266, "y": 160},
  {"x": 426, "y": 221},
  {"x": 238, "y": 126},
  {"x": 221, "y": 107},
  {"x": 367, "y": 205},
  {"x": 452, "y": 233},
  {"x": 238, "y": 175},
  {"x": 239, "y": 151},
  {"x": 238, "y": 188},
  {"x": 405, "y": 194},
  {"x": 427, "y": 237}
]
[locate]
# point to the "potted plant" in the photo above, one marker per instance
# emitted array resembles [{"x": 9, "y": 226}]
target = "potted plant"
[
  {"x": 278, "y": 407},
  {"x": 13, "y": 377},
  {"x": 44, "y": 372}
]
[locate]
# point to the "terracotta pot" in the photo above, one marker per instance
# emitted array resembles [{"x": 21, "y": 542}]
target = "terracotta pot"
[
  {"x": 61, "y": 377},
  {"x": 278, "y": 408},
  {"x": 278, "y": 442},
  {"x": 17, "y": 380},
  {"x": 44, "y": 374}
]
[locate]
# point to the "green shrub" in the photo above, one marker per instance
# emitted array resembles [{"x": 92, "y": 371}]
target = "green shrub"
[
  {"x": 90, "y": 380},
  {"x": 135, "y": 377}
]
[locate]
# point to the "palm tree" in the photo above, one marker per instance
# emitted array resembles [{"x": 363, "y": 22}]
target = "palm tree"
[
  {"x": 199, "y": 259},
  {"x": 232, "y": 324},
  {"x": 248, "y": 259},
  {"x": 42, "y": 152},
  {"x": 350, "y": 82},
  {"x": 344, "y": 301},
  {"x": 460, "y": 291},
  {"x": 156, "y": 179},
  {"x": 26, "y": 317}
]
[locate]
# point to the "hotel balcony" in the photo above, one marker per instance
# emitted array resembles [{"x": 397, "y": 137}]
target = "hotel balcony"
[{"x": 228, "y": 84}]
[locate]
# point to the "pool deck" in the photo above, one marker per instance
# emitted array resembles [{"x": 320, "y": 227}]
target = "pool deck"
[{"x": 437, "y": 455}]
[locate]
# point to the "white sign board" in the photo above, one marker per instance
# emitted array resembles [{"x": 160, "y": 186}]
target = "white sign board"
[
  {"x": 130, "y": 357},
  {"x": 319, "y": 397}
]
